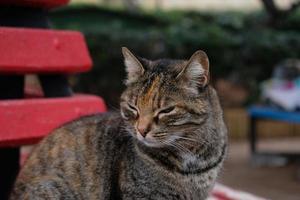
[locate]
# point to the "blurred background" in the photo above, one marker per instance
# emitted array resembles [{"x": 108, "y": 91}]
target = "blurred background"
[{"x": 252, "y": 45}]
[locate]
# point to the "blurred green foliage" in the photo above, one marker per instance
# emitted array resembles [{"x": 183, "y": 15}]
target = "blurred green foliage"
[{"x": 239, "y": 45}]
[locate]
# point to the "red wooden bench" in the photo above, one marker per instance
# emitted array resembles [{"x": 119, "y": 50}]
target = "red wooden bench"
[
  {"x": 42, "y": 51},
  {"x": 36, "y": 3},
  {"x": 24, "y": 122},
  {"x": 28, "y": 47}
]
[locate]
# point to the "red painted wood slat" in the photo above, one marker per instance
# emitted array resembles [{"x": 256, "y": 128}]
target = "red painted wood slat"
[
  {"x": 36, "y": 3},
  {"x": 26, "y": 121},
  {"x": 42, "y": 51}
]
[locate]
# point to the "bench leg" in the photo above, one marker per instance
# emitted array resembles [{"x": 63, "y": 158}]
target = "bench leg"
[
  {"x": 252, "y": 136},
  {"x": 11, "y": 87},
  {"x": 265, "y": 158},
  {"x": 9, "y": 169},
  {"x": 55, "y": 85}
]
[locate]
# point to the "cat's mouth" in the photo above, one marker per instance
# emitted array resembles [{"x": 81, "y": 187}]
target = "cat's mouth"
[
  {"x": 148, "y": 140},
  {"x": 152, "y": 141}
]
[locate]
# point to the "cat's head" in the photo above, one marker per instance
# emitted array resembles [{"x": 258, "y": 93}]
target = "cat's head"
[{"x": 165, "y": 100}]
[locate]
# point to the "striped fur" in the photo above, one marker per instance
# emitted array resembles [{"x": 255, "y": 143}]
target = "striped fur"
[{"x": 168, "y": 143}]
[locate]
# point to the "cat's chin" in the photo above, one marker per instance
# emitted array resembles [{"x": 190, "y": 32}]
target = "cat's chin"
[
  {"x": 152, "y": 144},
  {"x": 149, "y": 142}
]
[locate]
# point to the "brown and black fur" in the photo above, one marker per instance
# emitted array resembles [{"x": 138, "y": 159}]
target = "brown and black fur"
[{"x": 107, "y": 157}]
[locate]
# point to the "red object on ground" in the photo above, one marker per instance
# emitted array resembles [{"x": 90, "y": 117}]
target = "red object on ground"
[
  {"x": 36, "y": 3},
  {"x": 42, "y": 51},
  {"x": 26, "y": 121}
]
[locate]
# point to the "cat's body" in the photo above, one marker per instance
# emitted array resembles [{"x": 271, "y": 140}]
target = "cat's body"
[{"x": 127, "y": 157}]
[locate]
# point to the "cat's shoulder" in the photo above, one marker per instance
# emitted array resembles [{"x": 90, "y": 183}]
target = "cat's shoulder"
[
  {"x": 93, "y": 120},
  {"x": 91, "y": 124},
  {"x": 86, "y": 129}
]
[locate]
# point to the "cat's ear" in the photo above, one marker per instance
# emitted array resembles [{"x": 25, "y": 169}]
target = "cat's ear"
[
  {"x": 196, "y": 70},
  {"x": 134, "y": 68}
]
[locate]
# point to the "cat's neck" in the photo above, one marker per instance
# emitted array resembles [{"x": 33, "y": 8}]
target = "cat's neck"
[{"x": 193, "y": 162}]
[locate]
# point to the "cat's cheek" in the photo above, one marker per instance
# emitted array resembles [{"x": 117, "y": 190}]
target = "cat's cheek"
[{"x": 123, "y": 115}]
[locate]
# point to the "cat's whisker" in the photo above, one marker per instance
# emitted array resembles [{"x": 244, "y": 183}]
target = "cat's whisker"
[
  {"x": 159, "y": 135},
  {"x": 179, "y": 147},
  {"x": 187, "y": 138},
  {"x": 114, "y": 108},
  {"x": 186, "y": 149},
  {"x": 174, "y": 146},
  {"x": 204, "y": 141}
]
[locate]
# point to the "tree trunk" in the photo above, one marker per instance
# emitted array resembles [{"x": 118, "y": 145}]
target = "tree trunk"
[{"x": 276, "y": 14}]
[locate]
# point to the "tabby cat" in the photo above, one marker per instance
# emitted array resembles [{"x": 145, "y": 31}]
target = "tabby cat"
[{"x": 168, "y": 142}]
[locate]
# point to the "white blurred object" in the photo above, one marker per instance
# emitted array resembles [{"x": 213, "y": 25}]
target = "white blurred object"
[
  {"x": 287, "y": 98},
  {"x": 283, "y": 89}
]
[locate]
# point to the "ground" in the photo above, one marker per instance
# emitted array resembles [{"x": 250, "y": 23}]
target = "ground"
[{"x": 274, "y": 183}]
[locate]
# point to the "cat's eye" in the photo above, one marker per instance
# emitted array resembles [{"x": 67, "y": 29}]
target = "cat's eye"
[
  {"x": 129, "y": 111},
  {"x": 132, "y": 107},
  {"x": 165, "y": 111}
]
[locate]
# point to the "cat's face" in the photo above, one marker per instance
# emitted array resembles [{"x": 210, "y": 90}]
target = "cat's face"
[{"x": 165, "y": 100}]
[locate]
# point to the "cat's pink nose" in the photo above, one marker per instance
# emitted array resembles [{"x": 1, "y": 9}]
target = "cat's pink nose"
[{"x": 143, "y": 129}]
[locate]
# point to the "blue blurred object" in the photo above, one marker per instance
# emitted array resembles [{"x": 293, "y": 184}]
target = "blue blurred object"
[{"x": 274, "y": 114}]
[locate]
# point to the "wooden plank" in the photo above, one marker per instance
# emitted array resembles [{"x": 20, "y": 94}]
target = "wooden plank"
[
  {"x": 42, "y": 51},
  {"x": 237, "y": 122},
  {"x": 26, "y": 121},
  {"x": 36, "y": 3}
]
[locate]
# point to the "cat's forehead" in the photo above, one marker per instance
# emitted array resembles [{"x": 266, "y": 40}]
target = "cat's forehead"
[
  {"x": 157, "y": 84},
  {"x": 154, "y": 92},
  {"x": 163, "y": 66}
]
